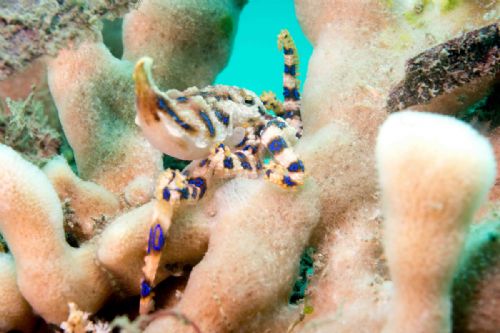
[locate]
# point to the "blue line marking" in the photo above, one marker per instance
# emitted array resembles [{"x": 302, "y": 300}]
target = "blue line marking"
[
  {"x": 208, "y": 123},
  {"x": 223, "y": 118},
  {"x": 242, "y": 141},
  {"x": 163, "y": 105}
]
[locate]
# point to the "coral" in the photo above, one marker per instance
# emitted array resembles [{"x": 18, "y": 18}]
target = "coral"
[
  {"x": 77, "y": 322},
  {"x": 195, "y": 38},
  {"x": 94, "y": 95},
  {"x": 26, "y": 129},
  {"x": 445, "y": 67},
  {"x": 100, "y": 100},
  {"x": 240, "y": 246},
  {"x": 16, "y": 312},
  {"x": 31, "y": 213},
  {"x": 476, "y": 284},
  {"x": 105, "y": 111},
  {"x": 485, "y": 110},
  {"x": 430, "y": 211},
  {"x": 344, "y": 99},
  {"x": 31, "y": 30},
  {"x": 86, "y": 200}
]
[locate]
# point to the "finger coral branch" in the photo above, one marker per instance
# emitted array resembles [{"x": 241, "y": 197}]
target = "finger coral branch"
[
  {"x": 31, "y": 221},
  {"x": 16, "y": 312},
  {"x": 189, "y": 40},
  {"x": 88, "y": 200},
  {"x": 431, "y": 186},
  {"x": 95, "y": 104}
]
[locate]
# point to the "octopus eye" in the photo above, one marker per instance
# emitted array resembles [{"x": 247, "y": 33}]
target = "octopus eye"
[{"x": 249, "y": 101}]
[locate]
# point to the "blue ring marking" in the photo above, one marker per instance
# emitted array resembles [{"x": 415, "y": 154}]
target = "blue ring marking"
[
  {"x": 245, "y": 165},
  {"x": 145, "y": 289},
  {"x": 163, "y": 105},
  {"x": 268, "y": 172},
  {"x": 228, "y": 163},
  {"x": 277, "y": 145},
  {"x": 184, "y": 192},
  {"x": 157, "y": 246},
  {"x": 166, "y": 194},
  {"x": 182, "y": 99},
  {"x": 221, "y": 146},
  {"x": 243, "y": 160},
  {"x": 203, "y": 190},
  {"x": 288, "y": 114},
  {"x": 150, "y": 240},
  {"x": 208, "y": 123},
  {"x": 198, "y": 182},
  {"x": 240, "y": 155},
  {"x": 203, "y": 162},
  {"x": 291, "y": 93},
  {"x": 286, "y": 92},
  {"x": 250, "y": 147},
  {"x": 290, "y": 69},
  {"x": 296, "y": 166},
  {"x": 287, "y": 51},
  {"x": 194, "y": 193},
  {"x": 288, "y": 181}
]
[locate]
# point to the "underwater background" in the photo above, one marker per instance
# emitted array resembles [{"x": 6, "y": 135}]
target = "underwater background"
[
  {"x": 386, "y": 217},
  {"x": 256, "y": 63}
]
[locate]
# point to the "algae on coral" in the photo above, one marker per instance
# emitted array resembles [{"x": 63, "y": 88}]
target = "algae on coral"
[
  {"x": 31, "y": 30},
  {"x": 26, "y": 129}
]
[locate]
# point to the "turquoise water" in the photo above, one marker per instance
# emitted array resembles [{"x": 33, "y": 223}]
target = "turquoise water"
[{"x": 256, "y": 63}]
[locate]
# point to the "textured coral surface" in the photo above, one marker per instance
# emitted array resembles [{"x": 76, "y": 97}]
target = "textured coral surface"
[{"x": 388, "y": 218}]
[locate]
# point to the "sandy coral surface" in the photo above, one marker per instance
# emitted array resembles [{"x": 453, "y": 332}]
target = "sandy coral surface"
[{"x": 396, "y": 207}]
